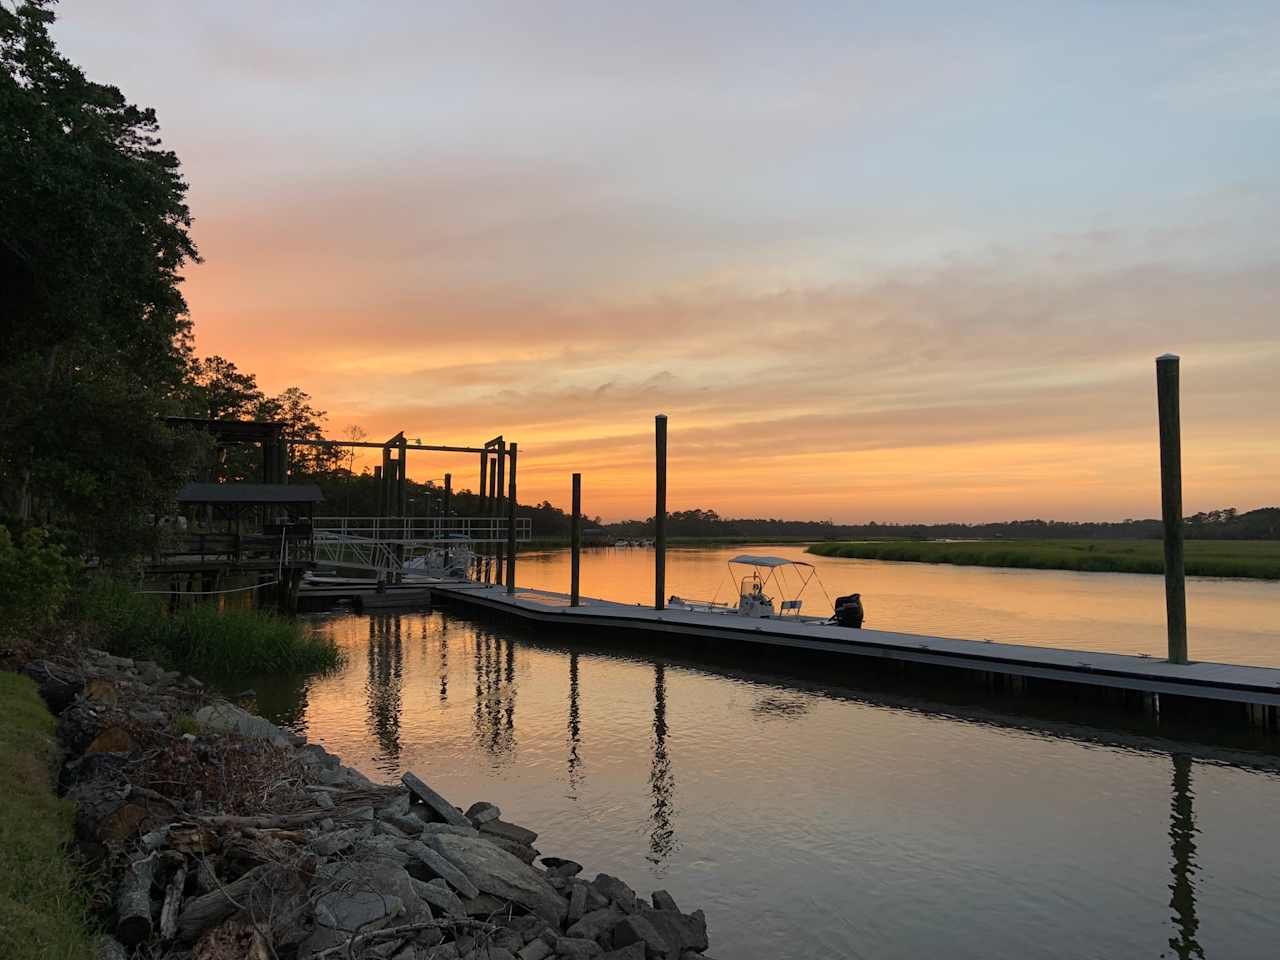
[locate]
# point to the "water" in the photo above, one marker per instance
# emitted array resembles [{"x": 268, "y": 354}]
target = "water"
[{"x": 811, "y": 818}]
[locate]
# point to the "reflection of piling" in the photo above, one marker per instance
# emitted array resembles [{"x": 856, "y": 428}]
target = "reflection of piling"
[
  {"x": 1182, "y": 837},
  {"x": 384, "y": 684},
  {"x": 1175, "y": 588},
  {"x": 660, "y": 513},
  {"x": 662, "y": 837},
  {"x": 575, "y": 541},
  {"x": 575, "y": 728}
]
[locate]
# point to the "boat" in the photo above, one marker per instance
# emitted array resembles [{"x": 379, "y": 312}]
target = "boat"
[{"x": 760, "y": 578}]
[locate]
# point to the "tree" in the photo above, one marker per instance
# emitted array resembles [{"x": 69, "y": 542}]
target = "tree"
[
  {"x": 302, "y": 422},
  {"x": 94, "y": 229}
]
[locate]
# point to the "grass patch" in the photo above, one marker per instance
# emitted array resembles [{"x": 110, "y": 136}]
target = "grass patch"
[
  {"x": 200, "y": 638},
  {"x": 1250, "y": 559},
  {"x": 43, "y": 906}
]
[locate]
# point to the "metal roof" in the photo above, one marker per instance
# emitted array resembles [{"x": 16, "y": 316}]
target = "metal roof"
[
  {"x": 250, "y": 493},
  {"x": 768, "y": 561}
]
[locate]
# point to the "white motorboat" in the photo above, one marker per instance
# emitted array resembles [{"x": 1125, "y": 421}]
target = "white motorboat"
[{"x": 760, "y": 578}]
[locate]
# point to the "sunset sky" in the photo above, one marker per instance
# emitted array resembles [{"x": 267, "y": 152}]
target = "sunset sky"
[{"x": 891, "y": 262}]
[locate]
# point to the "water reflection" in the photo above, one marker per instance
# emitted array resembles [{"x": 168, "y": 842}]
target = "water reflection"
[
  {"x": 662, "y": 783},
  {"x": 495, "y": 692},
  {"x": 444, "y": 661},
  {"x": 575, "y": 729},
  {"x": 383, "y": 686},
  {"x": 1182, "y": 836}
]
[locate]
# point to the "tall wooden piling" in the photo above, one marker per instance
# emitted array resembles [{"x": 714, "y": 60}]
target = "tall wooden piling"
[
  {"x": 448, "y": 495},
  {"x": 575, "y": 541},
  {"x": 497, "y": 508},
  {"x": 1175, "y": 587},
  {"x": 484, "y": 494},
  {"x": 660, "y": 513},
  {"x": 510, "y": 578}
]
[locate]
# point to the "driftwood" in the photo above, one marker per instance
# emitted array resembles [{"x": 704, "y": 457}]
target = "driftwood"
[
  {"x": 203, "y": 912},
  {"x": 172, "y": 903},
  {"x": 406, "y": 929},
  {"x": 133, "y": 902}
]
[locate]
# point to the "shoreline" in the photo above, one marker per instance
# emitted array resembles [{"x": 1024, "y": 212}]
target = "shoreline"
[
  {"x": 206, "y": 824},
  {"x": 1220, "y": 559}
]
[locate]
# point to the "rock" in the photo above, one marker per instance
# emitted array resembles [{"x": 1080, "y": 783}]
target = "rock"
[
  {"x": 616, "y": 891},
  {"x": 435, "y": 829},
  {"x": 437, "y": 893},
  {"x": 577, "y": 949},
  {"x": 596, "y": 924},
  {"x": 486, "y": 905},
  {"x": 495, "y": 871},
  {"x": 632, "y": 951},
  {"x": 560, "y": 867},
  {"x": 681, "y": 931},
  {"x": 517, "y": 850},
  {"x": 495, "y": 952},
  {"x": 100, "y": 690},
  {"x": 535, "y": 950},
  {"x": 437, "y": 864},
  {"x": 361, "y": 813},
  {"x": 324, "y": 801},
  {"x": 507, "y": 831},
  {"x": 409, "y": 826},
  {"x": 356, "y": 909},
  {"x": 229, "y": 718},
  {"x": 507, "y": 939},
  {"x": 396, "y": 807},
  {"x": 482, "y": 812},
  {"x": 637, "y": 929},
  {"x": 595, "y": 899},
  {"x": 111, "y": 740},
  {"x": 577, "y": 903},
  {"x": 528, "y": 926},
  {"x": 386, "y": 829},
  {"x": 313, "y": 754},
  {"x": 439, "y": 806},
  {"x": 109, "y": 948},
  {"x": 329, "y": 844},
  {"x": 664, "y": 901}
]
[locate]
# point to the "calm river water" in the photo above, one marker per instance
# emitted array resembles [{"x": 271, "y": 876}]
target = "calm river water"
[{"x": 811, "y": 818}]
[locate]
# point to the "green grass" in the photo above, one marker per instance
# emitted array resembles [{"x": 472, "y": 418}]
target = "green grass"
[
  {"x": 1252, "y": 559},
  {"x": 43, "y": 906},
  {"x": 200, "y": 638}
]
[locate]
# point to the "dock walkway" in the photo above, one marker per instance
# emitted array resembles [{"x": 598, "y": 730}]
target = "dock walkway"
[{"x": 1253, "y": 686}]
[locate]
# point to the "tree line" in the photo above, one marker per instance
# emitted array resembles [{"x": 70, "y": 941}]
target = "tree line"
[{"x": 1226, "y": 524}]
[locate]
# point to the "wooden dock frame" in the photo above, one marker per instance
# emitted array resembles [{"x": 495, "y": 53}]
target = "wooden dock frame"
[{"x": 1236, "y": 695}]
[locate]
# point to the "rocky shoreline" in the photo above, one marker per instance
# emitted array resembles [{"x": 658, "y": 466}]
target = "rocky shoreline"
[{"x": 216, "y": 835}]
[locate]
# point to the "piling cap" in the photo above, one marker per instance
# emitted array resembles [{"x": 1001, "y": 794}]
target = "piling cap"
[{"x": 1166, "y": 356}]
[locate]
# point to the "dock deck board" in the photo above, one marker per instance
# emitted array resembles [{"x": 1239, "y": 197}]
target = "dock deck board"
[{"x": 1206, "y": 680}]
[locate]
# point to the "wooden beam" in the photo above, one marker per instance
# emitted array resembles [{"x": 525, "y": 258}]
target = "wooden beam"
[{"x": 510, "y": 578}]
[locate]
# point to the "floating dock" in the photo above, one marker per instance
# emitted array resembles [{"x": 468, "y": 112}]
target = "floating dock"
[{"x": 1252, "y": 692}]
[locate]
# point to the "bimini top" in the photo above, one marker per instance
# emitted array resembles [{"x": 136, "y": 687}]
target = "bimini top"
[{"x": 753, "y": 561}]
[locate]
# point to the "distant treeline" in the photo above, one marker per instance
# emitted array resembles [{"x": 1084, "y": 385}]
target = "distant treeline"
[{"x": 1228, "y": 524}]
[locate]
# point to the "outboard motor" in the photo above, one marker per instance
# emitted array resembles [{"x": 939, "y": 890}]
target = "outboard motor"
[{"x": 849, "y": 610}]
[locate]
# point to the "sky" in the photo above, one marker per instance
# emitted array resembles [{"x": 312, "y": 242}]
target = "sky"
[{"x": 907, "y": 262}]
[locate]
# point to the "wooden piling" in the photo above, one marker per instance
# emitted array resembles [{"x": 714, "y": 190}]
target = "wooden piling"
[
  {"x": 1175, "y": 587},
  {"x": 448, "y": 495},
  {"x": 575, "y": 541},
  {"x": 660, "y": 514},
  {"x": 510, "y": 578},
  {"x": 497, "y": 508},
  {"x": 484, "y": 494},
  {"x": 381, "y": 487}
]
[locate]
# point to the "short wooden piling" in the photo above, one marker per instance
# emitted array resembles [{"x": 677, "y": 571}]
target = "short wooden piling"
[
  {"x": 660, "y": 514},
  {"x": 1175, "y": 587},
  {"x": 575, "y": 541},
  {"x": 510, "y": 578}
]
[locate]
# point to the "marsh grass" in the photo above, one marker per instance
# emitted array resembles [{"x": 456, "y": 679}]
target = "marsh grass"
[
  {"x": 43, "y": 903},
  {"x": 1252, "y": 559},
  {"x": 200, "y": 638}
]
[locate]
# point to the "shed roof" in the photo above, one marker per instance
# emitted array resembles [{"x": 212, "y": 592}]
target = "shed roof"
[{"x": 250, "y": 493}]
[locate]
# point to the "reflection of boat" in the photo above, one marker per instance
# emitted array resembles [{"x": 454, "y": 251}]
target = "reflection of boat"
[{"x": 754, "y": 600}]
